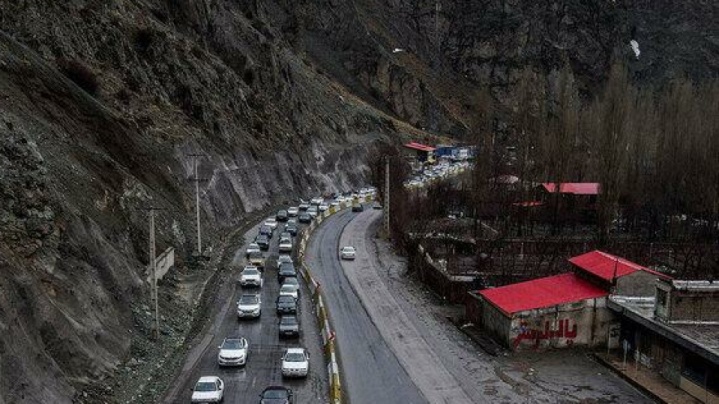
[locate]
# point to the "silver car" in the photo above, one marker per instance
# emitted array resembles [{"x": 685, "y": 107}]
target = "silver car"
[{"x": 347, "y": 253}]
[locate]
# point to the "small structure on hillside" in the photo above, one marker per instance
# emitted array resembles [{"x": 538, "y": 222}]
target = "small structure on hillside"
[
  {"x": 572, "y": 201},
  {"x": 423, "y": 152}
]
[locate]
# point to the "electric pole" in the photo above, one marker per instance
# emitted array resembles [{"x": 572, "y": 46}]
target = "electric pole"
[
  {"x": 153, "y": 268},
  {"x": 196, "y": 179},
  {"x": 386, "y": 197}
]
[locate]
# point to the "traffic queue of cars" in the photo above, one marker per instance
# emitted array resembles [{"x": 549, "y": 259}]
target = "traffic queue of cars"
[{"x": 235, "y": 350}]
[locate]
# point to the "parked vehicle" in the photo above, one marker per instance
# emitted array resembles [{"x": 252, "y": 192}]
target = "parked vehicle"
[
  {"x": 291, "y": 229},
  {"x": 263, "y": 241},
  {"x": 289, "y": 326},
  {"x": 285, "y": 245},
  {"x": 283, "y": 258},
  {"x": 282, "y": 216},
  {"x": 304, "y": 206},
  {"x": 209, "y": 389},
  {"x": 295, "y": 362},
  {"x": 233, "y": 352},
  {"x": 357, "y": 207},
  {"x": 251, "y": 276},
  {"x": 323, "y": 207},
  {"x": 265, "y": 231},
  {"x": 256, "y": 259},
  {"x": 286, "y": 269},
  {"x": 277, "y": 395},
  {"x": 305, "y": 217},
  {"x": 271, "y": 222},
  {"x": 289, "y": 290},
  {"x": 291, "y": 282},
  {"x": 316, "y": 201},
  {"x": 293, "y": 211},
  {"x": 312, "y": 211},
  {"x": 347, "y": 253},
  {"x": 253, "y": 247},
  {"x": 249, "y": 306},
  {"x": 286, "y": 305}
]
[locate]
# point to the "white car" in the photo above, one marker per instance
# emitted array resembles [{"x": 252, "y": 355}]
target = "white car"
[
  {"x": 289, "y": 290},
  {"x": 249, "y": 306},
  {"x": 293, "y": 211},
  {"x": 251, "y": 276},
  {"x": 283, "y": 258},
  {"x": 285, "y": 245},
  {"x": 233, "y": 352},
  {"x": 316, "y": 201},
  {"x": 295, "y": 362},
  {"x": 292, "y": 281},
  {"x": 253, "y": 247},
  {"x": 323, "y": 207},
  {"x": 209, "y": 389},
  {"x": 347, "y": 253},
  {"x": 312, "y": 211},
  {"x": 271, "y": 223}
]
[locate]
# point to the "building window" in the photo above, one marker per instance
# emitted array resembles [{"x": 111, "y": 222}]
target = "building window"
[
  {"x": 661, "y": 298},
  {"x": 701, "y": 373}
]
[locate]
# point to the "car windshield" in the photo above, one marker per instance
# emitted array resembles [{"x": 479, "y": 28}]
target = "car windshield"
[
  {"x": 275, "y": 394},
  {"x": 254, "y": 245},
  {"x": 286, "y": 299},
  {"x": 288, "y": 320},
  {"x": 250, "y": 271},
  {"x": 256, "y": 254},
  {"x": 233, "y": 344},
  {"x": 249, "y": 299},
  {"x": 348, "y": 249},
  {"x": 287, "y": 266},
  {"x": 294, "y": 357},
  {"x": 291, "y": 281},
  {"x": 287, "y": 288},
  {"x": 205, "y": 386}
]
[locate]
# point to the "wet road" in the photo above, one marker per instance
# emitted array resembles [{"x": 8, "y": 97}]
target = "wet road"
[
  {"x": 244, "y": 384},
  {"x": 371, "y": 372}
]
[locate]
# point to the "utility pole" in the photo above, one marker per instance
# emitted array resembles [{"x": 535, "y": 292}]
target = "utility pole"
[
  {"x": 386, "y": 196},
  {"x": 153, "y": 268},
  {"x": 196, "y": 179}
]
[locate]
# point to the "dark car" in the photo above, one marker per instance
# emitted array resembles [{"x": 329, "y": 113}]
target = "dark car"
[
  {"x": 277, "y": 395},
  {"x": 286, "y": 305},
  {"x": 263, "y": 241},
  {"x": 304, "y": 217},
  {"x": 266, "y": 231},
  {"x": 292, "y": 229},
  {"x": 289, "y": 326},
  {"x": 282, "y": 216},
  {"x": 357, "y": 207},
  {"x": 286, "y": 269}
]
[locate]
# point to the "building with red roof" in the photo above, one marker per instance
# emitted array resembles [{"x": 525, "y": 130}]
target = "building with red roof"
[
  {"x": 573, "y": 188},
  {"x": 424, "y": 152},
  {"x": 617, "y": 274},
  {"x": 561, "y": 310}
]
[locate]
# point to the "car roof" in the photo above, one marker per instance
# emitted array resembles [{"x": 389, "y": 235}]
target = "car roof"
[
  {"x": 210, "y": 379},
  {"x": 295, "y": 350}
]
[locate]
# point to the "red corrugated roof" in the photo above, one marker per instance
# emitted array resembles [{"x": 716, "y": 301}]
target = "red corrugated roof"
[
  {"x": 542, "y": 292},
  {"x": 576, "y": 188},
  {"x": 419, "y": 146},
  {"x": 604, "y": 264}
]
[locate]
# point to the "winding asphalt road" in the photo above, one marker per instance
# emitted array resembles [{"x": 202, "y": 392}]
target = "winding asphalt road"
[
  {"x": 374, "y": 374},
  {"x": 243, "y": 385}
]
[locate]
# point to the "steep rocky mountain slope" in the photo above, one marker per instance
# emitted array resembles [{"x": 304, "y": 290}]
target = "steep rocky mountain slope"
[{"x": 102, "y": 104}]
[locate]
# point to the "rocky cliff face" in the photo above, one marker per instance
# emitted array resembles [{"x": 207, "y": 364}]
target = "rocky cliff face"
[{"x": 104, "y": 103}]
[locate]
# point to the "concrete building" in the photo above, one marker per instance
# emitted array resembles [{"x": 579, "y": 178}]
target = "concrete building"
[
  {"x": 562, "y": 310},
  {"x": 675, "y": 333}
]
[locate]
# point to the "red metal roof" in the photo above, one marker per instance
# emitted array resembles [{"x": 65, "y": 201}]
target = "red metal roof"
[
  {"x": 419, "y": 146},
  {"x": 542, "y": 292},
  {"x": 576, "y": 188},
  {"x": 604, "y": 264}
]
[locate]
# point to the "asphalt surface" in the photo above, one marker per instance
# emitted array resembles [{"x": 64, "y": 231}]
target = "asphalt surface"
[
  {"x": 244, "y": 384},
  {"x": 371, "y": 373}
]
